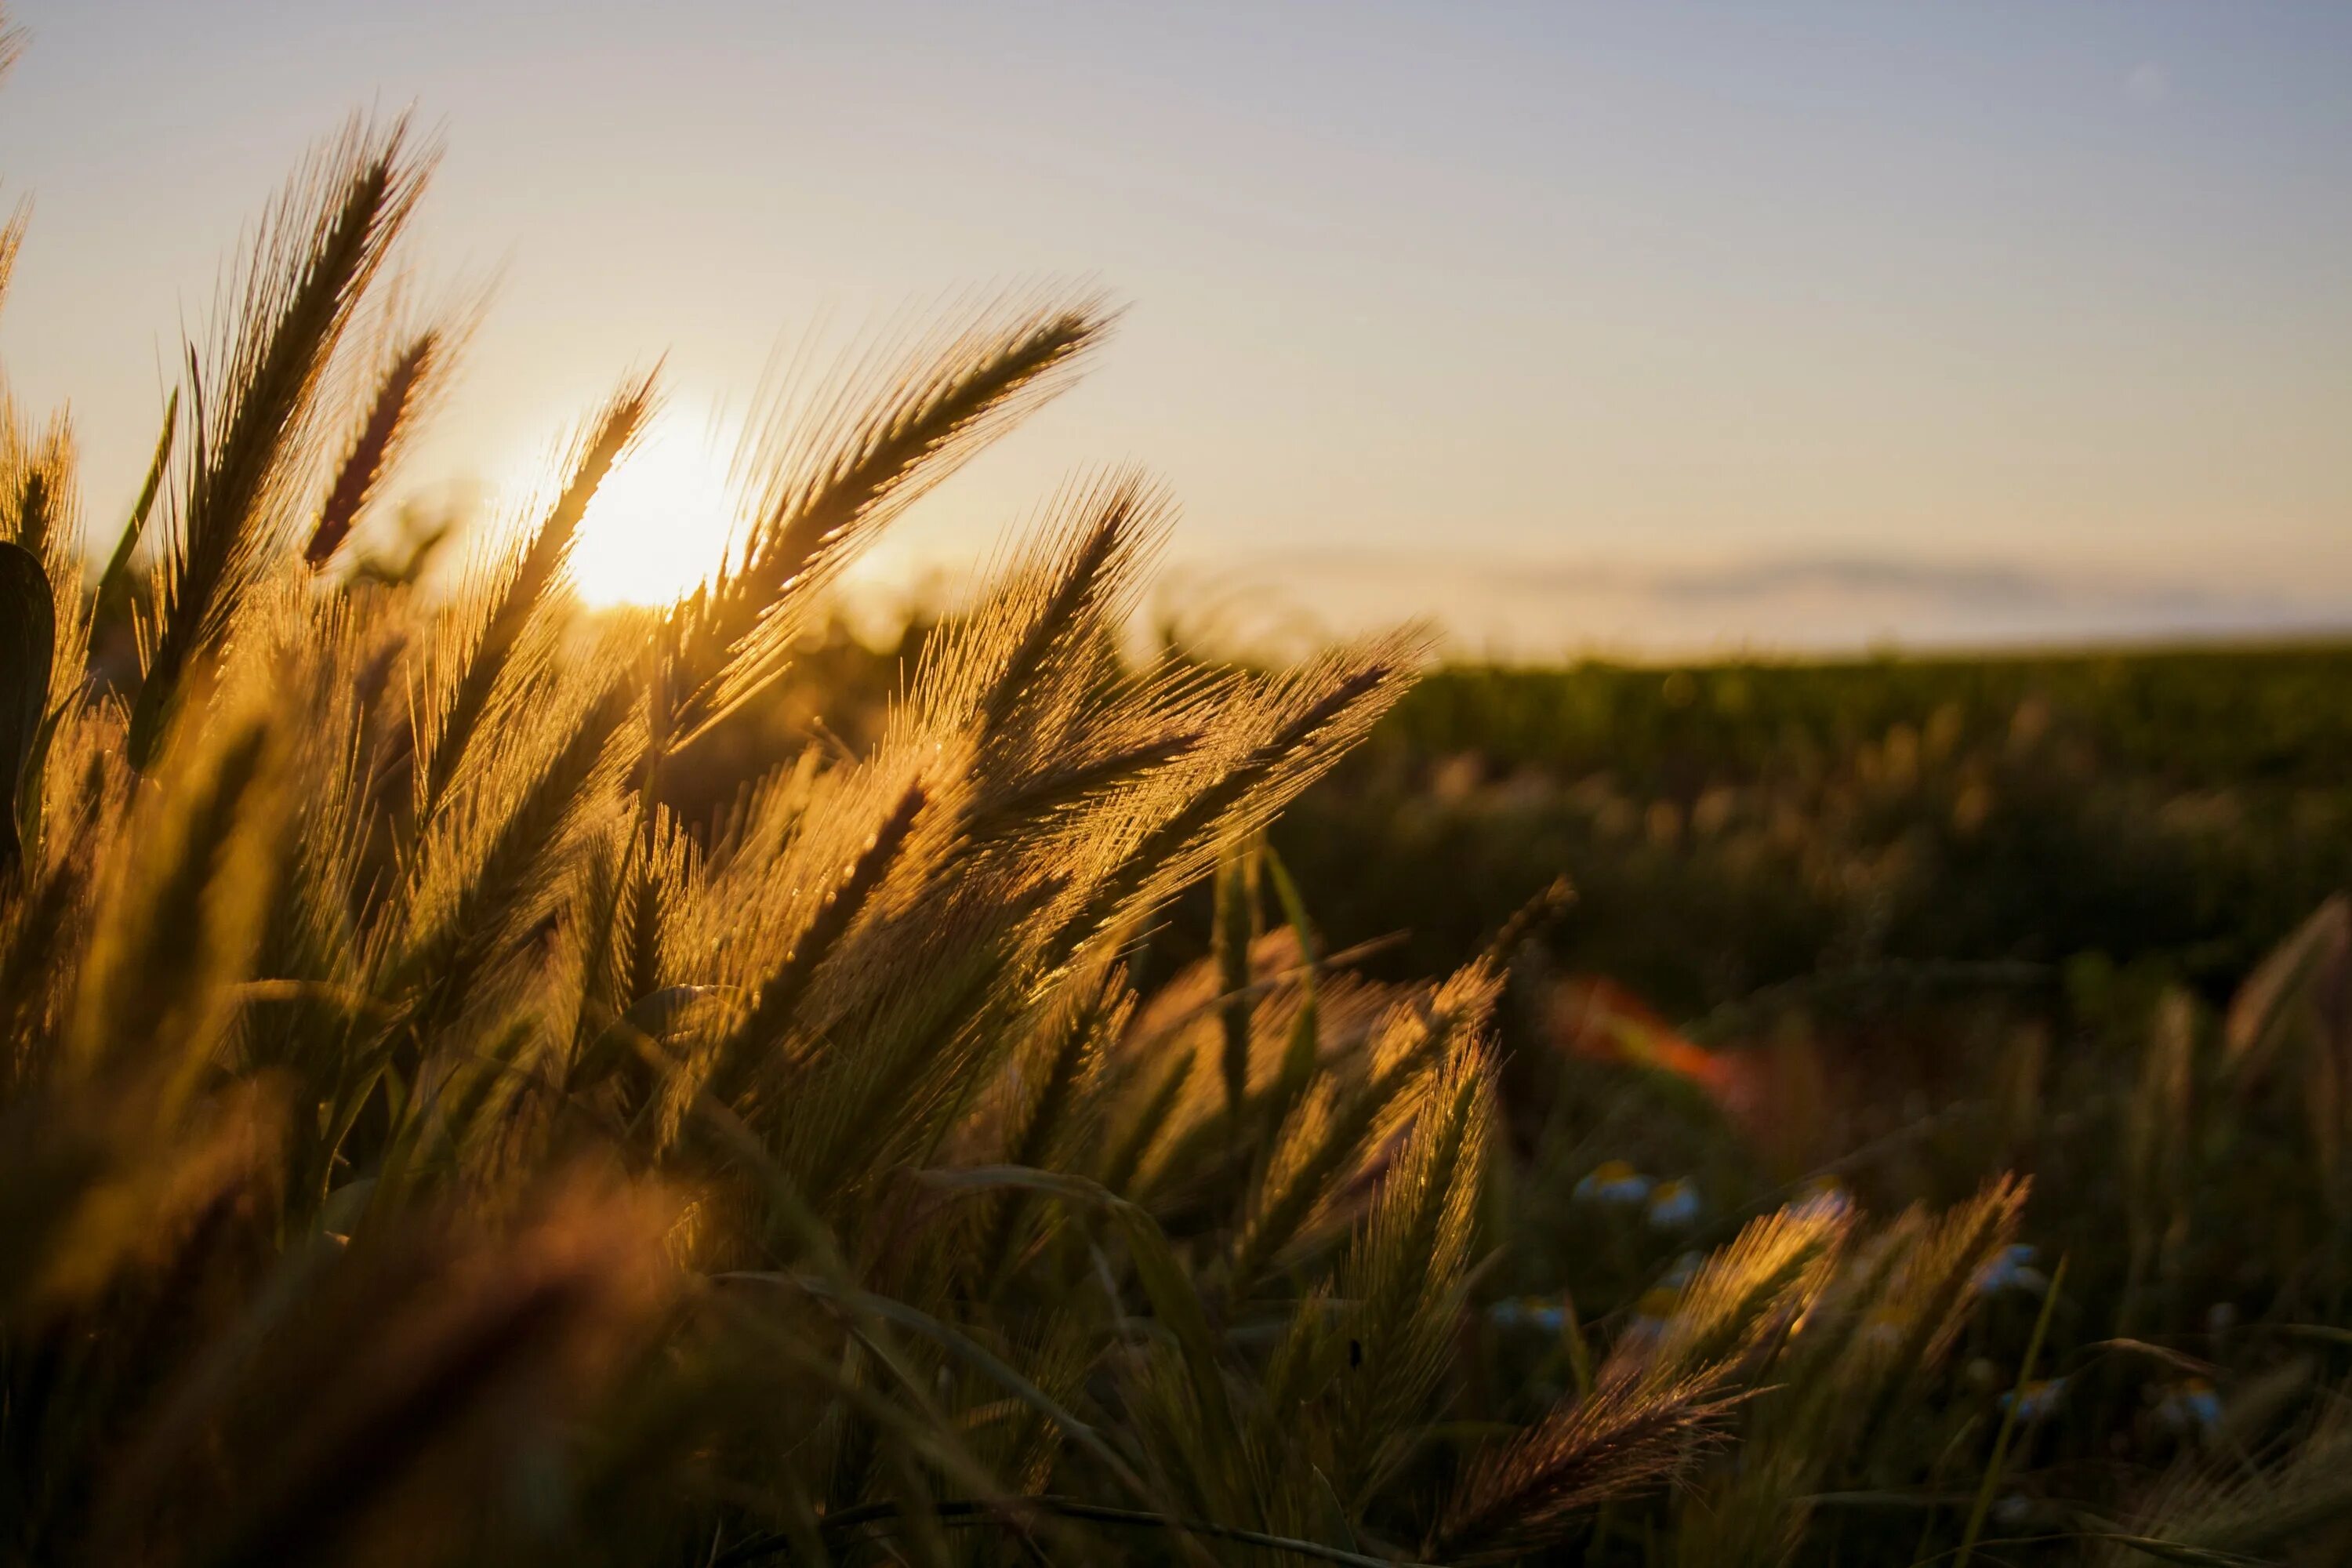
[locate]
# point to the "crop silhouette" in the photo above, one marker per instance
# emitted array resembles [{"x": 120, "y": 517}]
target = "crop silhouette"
[{"x": 422, "y": 1141}]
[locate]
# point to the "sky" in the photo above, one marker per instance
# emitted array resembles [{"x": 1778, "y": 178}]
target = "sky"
[{"x": 1651, "y": 328}]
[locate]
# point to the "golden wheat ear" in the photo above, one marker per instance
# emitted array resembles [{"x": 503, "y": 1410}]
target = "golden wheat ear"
[
  {"x": 1273, "y": 742},
  {"x": 255, "y": 398},
  {"x": 187, "y": 900},
  {"x": 403, "y": 391},
  {"x": 12, "y": 230},
  {"x": 484, "y": 872},
  {"x": 1620, "y": 1440},
  {"x": 42, "y": 515},
  {"x": 1748, "y": 1294},
  {"x": 839, "y": 456},
  {"x": 1323, "y": 1143},
  {"x": 483, "y": 648},
  {"x": 1005, "y": 670},
  {"x": 1405, "y": 1274},
  {"x": 45, "y": 513},
  {"x": 28, "y": 645}
]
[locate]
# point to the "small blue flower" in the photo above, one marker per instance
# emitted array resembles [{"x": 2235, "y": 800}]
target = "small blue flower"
[
  {"x": 2011, "y": 1270},
  {"x": 1529, "y": 1312},
  {"x": 2191, "y": 1406},
  {"x": 2036, "y": 1400},
  {"x": 1672, "y": 1204},
  {"x": 1613, "y": 1182}
]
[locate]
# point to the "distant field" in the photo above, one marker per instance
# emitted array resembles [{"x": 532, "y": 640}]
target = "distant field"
[{"x": 1732, "y": 827}]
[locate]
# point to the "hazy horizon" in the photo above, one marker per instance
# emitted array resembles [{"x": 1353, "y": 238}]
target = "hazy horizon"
[{"x": 1577, "y": 326}]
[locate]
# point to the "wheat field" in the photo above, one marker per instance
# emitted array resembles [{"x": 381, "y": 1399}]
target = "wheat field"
[{"x": 422, "y": 1141}]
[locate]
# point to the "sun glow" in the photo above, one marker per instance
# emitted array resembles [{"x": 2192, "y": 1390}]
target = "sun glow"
[{"x": 661, "y": 521}]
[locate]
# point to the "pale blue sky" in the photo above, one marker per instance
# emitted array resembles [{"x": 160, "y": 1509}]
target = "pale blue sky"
[{"x": 1639, "y": 324}]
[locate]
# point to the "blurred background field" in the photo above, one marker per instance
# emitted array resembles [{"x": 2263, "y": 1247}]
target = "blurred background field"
[
  {"x": 1738, "y": 827},
  {"x": 1895, "y": 925},
  {"x": 1882, "y": 929}
]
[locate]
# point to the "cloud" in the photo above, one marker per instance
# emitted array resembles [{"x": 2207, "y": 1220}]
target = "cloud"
[
  {"x": 1841, "y": 575},
  {"x": 1824, "y": 600},
  {"x": 2148, "y": 83},
  {"x": 1844, "y": 576}
]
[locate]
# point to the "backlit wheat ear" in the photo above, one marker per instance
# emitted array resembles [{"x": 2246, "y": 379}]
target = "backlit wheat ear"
[
  {"x": 635, "y": 886},
  {"x": 762, "y": 1030},
  {"x": 1280, "y": 743},
  {"x": 304, "y": 651},
  {"x": 1033, "y": 680},
  {"x": 185, "y": 908},
  {"x": 1316, "y": 1153},
  {"x": 39, "y": 512},
  {"x": 1404, "y": 1273},
  {"x": 1745, "y": 1295},
  {"x": 664, "y": 864},
  {"x": 1937, "y": 1282},
  {"x": 1020, "y": 660},
  {"x": 483, "y": 641},
  {"x": 1658, "y": 1403},
  {"x": 1031, "y": 803},
  {"x": 841, "y": 458},
  {"x": 254, "y": 431},
  {"x": 49, "y": 524},
  {"x": 1048, "y": 1104},
  {"x": 389, "y": 424},
  {"x": 27, "y": 652},
  {"x": 45, "y": 517},
  {"x": 12, "y": 228},
  {"x": 1623, "y": 1438},
  {"x": 485, "y": 871}
]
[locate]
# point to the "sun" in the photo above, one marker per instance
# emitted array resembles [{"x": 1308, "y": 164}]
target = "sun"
[{"x": 661, "y": 520}]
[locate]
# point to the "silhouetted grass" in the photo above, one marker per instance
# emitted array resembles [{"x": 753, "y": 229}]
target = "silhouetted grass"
[{"x": 484, "y": 1083}]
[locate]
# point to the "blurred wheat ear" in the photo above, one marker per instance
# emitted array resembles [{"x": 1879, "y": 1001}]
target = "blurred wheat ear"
[
  {"x": 253, "y": 430},
  {"x": 27, "y": 633},
  {"x": 404, "y": 388},
  {"x": 12, "y": 229}
]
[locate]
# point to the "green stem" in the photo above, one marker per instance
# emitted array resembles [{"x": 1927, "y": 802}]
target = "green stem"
[{"x": 2008, "y": 1421}]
